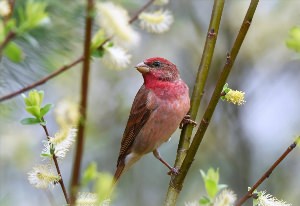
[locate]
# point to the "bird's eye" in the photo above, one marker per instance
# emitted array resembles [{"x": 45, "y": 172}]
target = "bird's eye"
[{"x": 156, "y": 64}]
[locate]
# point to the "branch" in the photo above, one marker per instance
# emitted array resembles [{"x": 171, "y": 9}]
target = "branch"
[
  {"x": 42, "y": 81},
  {"x": 267, "y": 173},
  {"x": 10, "y": 36},
  {"x": 178, "y": 180},
  {"x": 198, "y": 91},
  {"x": 143, "y": 8},
  {"x": 65, "y": 68},
  {"x": 84, "y": 100},
  {"x": 84, "y": 94},
  {"x": 201, "y": 78},
  {"x": 61, "y": 182}
]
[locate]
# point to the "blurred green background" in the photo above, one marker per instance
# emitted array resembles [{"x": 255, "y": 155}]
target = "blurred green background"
[{"x": 241, "y": 141}]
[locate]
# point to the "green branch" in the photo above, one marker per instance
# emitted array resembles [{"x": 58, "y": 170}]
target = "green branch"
[
  {"x": 177, "y": 182},
  {"x": 198, "y": 91},
  {"x": 201, "y": 78}
]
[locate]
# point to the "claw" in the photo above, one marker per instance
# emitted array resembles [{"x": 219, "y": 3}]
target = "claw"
[
  {"x": 187, "y": 120},
  {"x": 173, "y": 171}
]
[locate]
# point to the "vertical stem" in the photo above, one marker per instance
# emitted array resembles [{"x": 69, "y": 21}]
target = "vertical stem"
[
  {"x": 84, "y": 100},
  {"x": 198, "y": 91},
  {"x": 201, "y": 78},
  {"x": 177, "y": 181},
  {"x": 61, "y": 182}
]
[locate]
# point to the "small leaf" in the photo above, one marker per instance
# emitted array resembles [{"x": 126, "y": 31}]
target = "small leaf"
[
  {"x": 203, "y": 175},
  {"x": 52, "y": 149},
  {"x": 293, "y": 42},
  {"x": 211, "y": 188},
  {"x": 213, "y": 175},
  {"x": 98, "y": 39},
  {"x": 41, "y": 97},
  {"x": 10, "y": 25},
  {"x": 28, "y": 121},
  {"x": 89, "y": 174},
  {"x": 34, "y": 110},
  {"x": 98, "y": 53},
  {"x": 221, "y": 186},
  {"x": 103, "y": 185},
  {"x": 13, "y": 52},
  {"x": 46, "y": 109},
  {"x": 46, "y": 155},
  {"x": 204, "y": 200}
]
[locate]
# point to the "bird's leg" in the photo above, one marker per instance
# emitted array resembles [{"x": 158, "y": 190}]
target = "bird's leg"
[
  {"x": 187, "y": 120},
  {"x": 173, "y": 170}
]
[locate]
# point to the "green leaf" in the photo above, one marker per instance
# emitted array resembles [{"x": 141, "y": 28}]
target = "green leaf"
[
  {"x": 211, "y": 182},
  {"x": 13, "y": 52},
  {"x": 28, "y": 121},
  {"x": 26, "y": 100},
  {"x": 10, "y": 25},
  {"x": 34, "y": 110},
  {"x": 89, "y": 174},
  {"x": 98, "y": 39},
  {"x": 103, "y": 185},
  {"x": 213, "y": 175},
  {"x": 46, "y": 109},
  {"x": 41, "y": 97},
  {"x": 293, "y": 42},
  {"x": 204, "y": 200},
  {"x": 46, "y": 155},
  {"x": 211, "y": 188},
  {"x": 98, "y": 53},
  {"x": 32, "y": 16}
]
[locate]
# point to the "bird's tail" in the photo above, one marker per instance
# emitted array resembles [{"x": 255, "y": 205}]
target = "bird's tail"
[{"x": 118, "y": 173}]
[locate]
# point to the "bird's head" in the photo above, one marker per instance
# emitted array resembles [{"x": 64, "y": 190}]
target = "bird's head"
[{"x": 158, "y": 69}]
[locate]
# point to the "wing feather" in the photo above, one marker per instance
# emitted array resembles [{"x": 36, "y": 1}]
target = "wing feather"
[{"x": 142, "y": 107}]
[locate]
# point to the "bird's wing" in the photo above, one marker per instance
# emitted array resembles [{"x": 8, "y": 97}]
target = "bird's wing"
[{"x": 142, "y": 107}]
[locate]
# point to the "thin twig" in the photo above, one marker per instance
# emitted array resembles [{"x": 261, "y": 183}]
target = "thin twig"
[
  {"x": 65, "y": 68},
  {"x": 42, "y": 81},
  {"x": 11, "y": 35},
  {"x": 61, "y": 182},
  {"x": 177, "y": 181},
  {"x": 84, "y": 100},
  {"x": 266, "y": 175},
  {"x": 136, "y": 15}
]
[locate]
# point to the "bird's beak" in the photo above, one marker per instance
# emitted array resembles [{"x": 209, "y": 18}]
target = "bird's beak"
[{"x": 142, "y": 67}]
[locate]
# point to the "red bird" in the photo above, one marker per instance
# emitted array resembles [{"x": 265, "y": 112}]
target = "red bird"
[{"x": 159, "y": 107}]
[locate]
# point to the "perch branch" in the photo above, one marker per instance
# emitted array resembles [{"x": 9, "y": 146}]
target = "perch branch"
[{"x": 177, "y": 181}]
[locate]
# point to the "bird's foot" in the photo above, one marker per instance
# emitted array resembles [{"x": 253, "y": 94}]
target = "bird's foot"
[
  {"x": 173, "y": 171},
  {"x": 187, "y": 120}
]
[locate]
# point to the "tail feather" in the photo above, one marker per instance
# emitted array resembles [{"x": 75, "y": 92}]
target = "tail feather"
[{"x": 118, "y": 173}]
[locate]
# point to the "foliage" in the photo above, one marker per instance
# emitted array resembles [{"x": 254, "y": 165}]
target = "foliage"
[
  {"x": 293, "y": 42},
  {"x": 212, "y": 186},
  {"x": 33, "y": 106}
]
